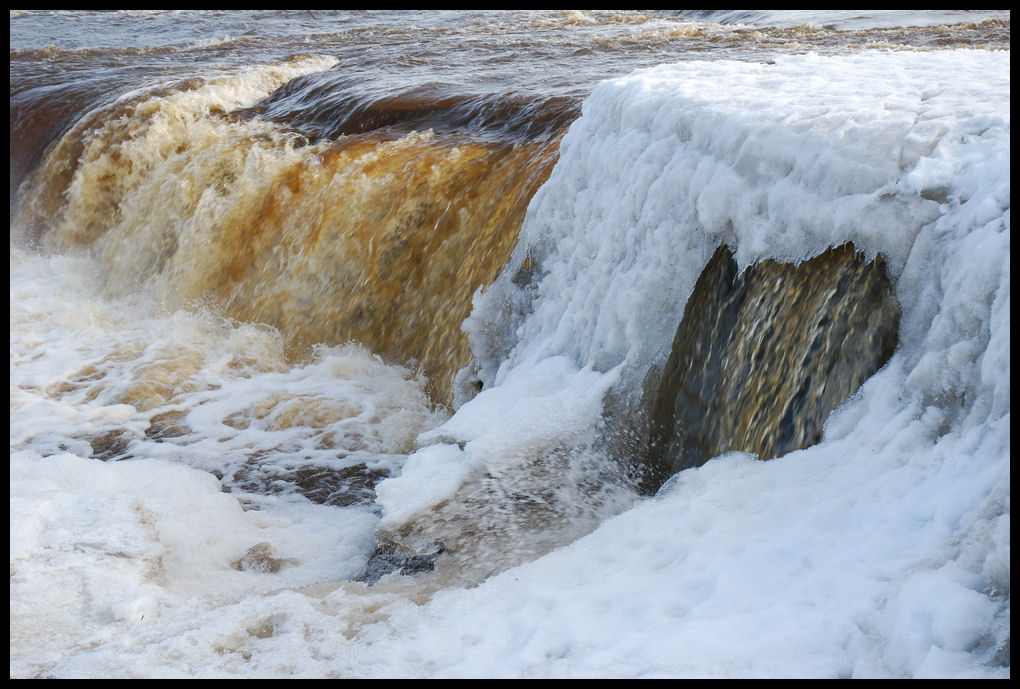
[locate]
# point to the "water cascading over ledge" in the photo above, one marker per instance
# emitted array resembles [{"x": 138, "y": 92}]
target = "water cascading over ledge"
[
  {"x": 377, "y": 232},
  {"x": 762, "y": 357}
]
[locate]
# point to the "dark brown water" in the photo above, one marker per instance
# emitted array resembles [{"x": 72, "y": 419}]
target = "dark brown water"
[
  {"x": 338, "y": 175},
  {"x": 476, "y": 70},
  {"x": 208, "y": 207}
]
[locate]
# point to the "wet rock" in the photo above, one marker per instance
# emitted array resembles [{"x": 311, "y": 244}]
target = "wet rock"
[
  {"x": 387, "y": 559},
  {"x": 259, "y": 558},
  {"x": 324, "y": 485},
  {"x": 110, "y": 445},
  {"x": 761, "y": 358}
]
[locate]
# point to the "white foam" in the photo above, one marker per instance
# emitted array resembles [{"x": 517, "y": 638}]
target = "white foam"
[
  {"x": 904, "y": 155},
  {"x": 881, "y": 551}
]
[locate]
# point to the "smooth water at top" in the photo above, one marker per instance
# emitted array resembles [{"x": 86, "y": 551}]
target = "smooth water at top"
[{"x": 495, "y": 72}]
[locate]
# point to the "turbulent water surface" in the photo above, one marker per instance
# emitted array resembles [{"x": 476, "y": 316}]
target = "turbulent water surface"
[{"x": 336, "y": 338}]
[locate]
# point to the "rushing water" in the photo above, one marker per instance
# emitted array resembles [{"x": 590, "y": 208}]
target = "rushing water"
[{"x": 303, "y": 300}]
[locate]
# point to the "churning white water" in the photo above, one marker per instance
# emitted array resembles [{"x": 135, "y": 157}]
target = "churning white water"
[{"x": 882, "y": 551}]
